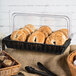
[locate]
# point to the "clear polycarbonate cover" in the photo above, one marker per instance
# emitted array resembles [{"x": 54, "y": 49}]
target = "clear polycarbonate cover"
[{"x": 55, "y": 22}]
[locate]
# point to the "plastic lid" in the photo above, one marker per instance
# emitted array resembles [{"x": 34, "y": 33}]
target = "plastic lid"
[{"x": 55, "y": 22}]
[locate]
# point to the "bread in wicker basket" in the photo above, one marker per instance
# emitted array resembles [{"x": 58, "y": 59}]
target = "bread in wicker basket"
[{"x": 11, "y": 70}]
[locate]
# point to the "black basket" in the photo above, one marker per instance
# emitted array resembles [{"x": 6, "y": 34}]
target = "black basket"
[{"x": 55, "y": 49}]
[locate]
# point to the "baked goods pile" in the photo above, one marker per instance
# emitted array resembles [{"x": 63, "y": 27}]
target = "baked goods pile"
[
  {"x": 5, "y": 60},
  {"x": 44, "y": 34}
]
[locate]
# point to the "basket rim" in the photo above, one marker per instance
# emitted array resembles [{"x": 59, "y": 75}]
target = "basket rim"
[
  {"x": 14, "y": 66},
  {"x": 10, "y": 67},
  {"x": 69, "y": 62}
]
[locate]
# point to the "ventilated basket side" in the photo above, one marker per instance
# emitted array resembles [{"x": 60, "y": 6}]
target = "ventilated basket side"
[
  {"x": 5, "y": 72},
  {"x": 15, "y": 69},
  {"x": 55, "y": 49},
  {"x": 10, "y": 70}
]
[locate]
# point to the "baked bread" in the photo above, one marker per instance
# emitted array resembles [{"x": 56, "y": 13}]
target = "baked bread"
[
  {"x": 46, "y": 30},
  {"x": 56, "y": 38},
  {"x": 2, "y": 57},
  {"x": 65, "y": 31},
  {"x": 7, "y": 62},
  {"x": 18, "y": 35},
  {"x": 30, "y": 27},
  {"x": 26, "y": 31},
  {"x": 36, "y": 37}
]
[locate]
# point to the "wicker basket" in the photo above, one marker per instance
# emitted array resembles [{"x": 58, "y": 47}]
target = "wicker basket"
[
  {"x": 13, "y": 70},
  {"x": 70, "y": 63}
]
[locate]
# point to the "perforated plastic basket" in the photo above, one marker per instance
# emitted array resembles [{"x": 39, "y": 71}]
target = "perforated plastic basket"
[{"x": 55, "y": 22}]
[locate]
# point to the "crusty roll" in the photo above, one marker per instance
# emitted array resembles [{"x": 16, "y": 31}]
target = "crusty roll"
[
  {"x": 37, "y": 37},
  {"x": 18, "y": 35},
  {"x": 56, "y": 38},
  {"x": 65, "y": 31},
  {"x": 26, "y": 31},
  {"x": 7, "y": 62},
  {"x": 46, "y": 30},
  {"x": 30, "y": 27}
]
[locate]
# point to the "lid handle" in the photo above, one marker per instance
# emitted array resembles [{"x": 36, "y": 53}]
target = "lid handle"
[{"x": 72, "y": 35}]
